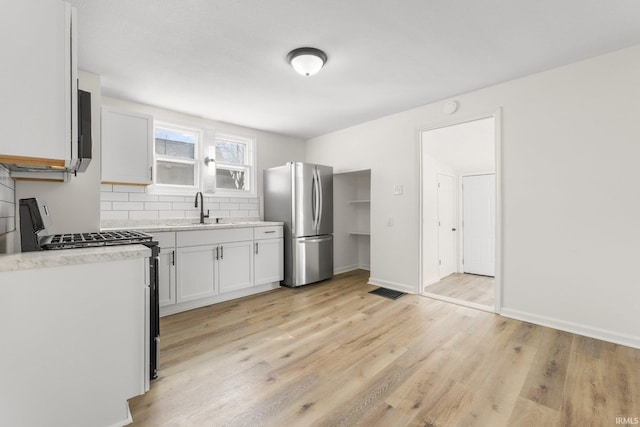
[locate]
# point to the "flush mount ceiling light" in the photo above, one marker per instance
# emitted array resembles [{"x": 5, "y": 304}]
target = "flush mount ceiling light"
[{"x": 307, "y": 60}]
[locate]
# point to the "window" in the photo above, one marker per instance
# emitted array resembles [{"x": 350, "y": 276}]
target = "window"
[
  {"x": 175, "y": 157},
  {"x": 231, "y": 171},
  {"x": 219, "y": 163}
]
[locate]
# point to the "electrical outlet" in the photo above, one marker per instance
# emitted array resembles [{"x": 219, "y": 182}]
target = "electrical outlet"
[{"x": 390, "y": 221}]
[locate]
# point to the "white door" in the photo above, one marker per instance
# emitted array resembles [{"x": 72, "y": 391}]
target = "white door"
[
  {"x": 446, "y": 226},
  {"x": 268, "y": 261},
  {"x": 166, "y": 279},
  {"x": 235, "y": 266},
  {"x": 196, "y": 271},
  {"x": 479, "y": 213}
]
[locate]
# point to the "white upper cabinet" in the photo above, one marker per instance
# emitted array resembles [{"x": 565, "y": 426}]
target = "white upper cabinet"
[
  {"x": 38, "y": 83},
  {"x": 127, "y": 147}
]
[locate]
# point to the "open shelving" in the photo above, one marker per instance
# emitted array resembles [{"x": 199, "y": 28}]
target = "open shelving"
[{"x": 352, "y": 213}]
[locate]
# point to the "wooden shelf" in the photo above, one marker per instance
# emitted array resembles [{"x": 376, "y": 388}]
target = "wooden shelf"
[
  {"x": 358, "y": 201},
  {"x": 360, "y": 233}
]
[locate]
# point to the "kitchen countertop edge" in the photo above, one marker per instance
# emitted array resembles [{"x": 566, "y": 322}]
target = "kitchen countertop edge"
[
  {"x": 190, "y": 227},
  {"x": 56, "y": 258}
]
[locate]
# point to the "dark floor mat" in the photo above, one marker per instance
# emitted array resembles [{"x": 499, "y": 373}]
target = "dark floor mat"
[{"x": 387, "y": 293}]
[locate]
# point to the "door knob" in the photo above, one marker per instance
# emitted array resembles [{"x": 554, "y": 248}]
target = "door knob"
[{"x": 453, "y": 229}]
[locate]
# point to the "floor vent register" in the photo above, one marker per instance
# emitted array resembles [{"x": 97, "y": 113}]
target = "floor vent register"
[{"x": 387, "y": 293}]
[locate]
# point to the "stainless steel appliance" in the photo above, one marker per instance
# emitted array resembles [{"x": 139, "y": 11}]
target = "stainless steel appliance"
[
  {"x": 34, "y": 221},
  {"x": 301, "y": 196}
]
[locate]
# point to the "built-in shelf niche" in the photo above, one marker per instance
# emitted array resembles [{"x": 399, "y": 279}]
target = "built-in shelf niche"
[{"x": 352, "y": 220}]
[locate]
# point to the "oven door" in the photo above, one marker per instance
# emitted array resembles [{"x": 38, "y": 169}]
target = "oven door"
[{"x": 154, "y": 312}]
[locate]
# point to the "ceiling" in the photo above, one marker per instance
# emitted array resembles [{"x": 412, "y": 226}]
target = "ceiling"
[{"x": 226, "y": 59}]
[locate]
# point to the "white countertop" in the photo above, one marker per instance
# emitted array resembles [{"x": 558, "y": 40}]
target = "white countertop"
[
  {"x": 55, "y": 258},
  {"x": 183, "y": 225}
]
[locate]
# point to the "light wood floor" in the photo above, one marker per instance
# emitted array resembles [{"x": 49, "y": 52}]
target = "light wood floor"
[
  {"x": 333, "y": 355},
  {"x": 466, "y": 287}
]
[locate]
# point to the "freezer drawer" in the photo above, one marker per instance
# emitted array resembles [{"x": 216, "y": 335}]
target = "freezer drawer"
[{"x": 312, "y": 260}]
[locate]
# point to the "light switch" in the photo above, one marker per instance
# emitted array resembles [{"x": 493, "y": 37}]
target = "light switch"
[{"x": 397, "y": 189}]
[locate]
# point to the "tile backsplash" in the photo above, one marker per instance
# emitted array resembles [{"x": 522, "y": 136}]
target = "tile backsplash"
[
  {"x": 7, "y": 202},
  {"x": 130, "y": 202}
]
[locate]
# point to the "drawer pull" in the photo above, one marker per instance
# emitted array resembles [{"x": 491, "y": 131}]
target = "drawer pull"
[{"x": 269, "y": 232}]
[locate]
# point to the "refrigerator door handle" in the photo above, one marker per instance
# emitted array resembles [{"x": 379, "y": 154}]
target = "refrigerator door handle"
[
  {"x": 314, "y": 200},
  {"x": 319, "y": 204},
  {"x": 315, "y": 240}
]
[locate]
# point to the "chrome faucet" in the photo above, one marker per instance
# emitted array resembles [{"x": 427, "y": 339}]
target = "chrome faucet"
[{"x": 202, "y": 215}]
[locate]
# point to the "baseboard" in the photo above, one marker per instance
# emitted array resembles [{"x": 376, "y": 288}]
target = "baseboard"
[
  {"x": 364, "y": 267},
  {"x": 345, "y": 269},
  {"x": 575, "y": 328},
  {"x": 126, "y": 421},
  {"x": 401, "y": 287},
  {"x": 190, "y": 305}
]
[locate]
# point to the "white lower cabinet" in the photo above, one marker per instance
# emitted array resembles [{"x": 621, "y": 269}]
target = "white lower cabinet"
[
  {"x": 268, "y": 261},
  {"x": 167, "y": 276},
  {"x": 203, "y": 267},
  {"x": 268, "y": 255},
  {"x": 166, "y": 267},
  {"x": 235, "y": 266},
  {"x": 196, "y": 272},
  {"x": 73, "y": 340}
]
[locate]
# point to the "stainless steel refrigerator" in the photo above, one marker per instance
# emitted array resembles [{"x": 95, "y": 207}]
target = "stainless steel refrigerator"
[{"x": 301, "y": 196}]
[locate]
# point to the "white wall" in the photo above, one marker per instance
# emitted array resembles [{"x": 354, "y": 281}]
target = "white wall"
[
  {"x": 569, "y": 192},
  {"x": 75, "y": 205}
]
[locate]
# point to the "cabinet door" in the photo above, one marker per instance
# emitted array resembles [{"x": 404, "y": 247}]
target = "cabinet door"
[
  {"x": 127, "y": 147},
  {"x": 196, "y": 272},
  {"x": 37, "y": 81},
  {"x": 268, "y": 261},
  {"x": 167, "y": 279},
  {"x": 236, "y": 266}
]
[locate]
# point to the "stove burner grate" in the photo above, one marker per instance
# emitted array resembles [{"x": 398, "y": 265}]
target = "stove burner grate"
[{"x": 105, "y": 238}]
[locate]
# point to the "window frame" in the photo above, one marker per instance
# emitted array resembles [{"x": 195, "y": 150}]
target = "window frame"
[
  {"x": 206, "y": 138},
  {"x": 249, "y": 166},
  {"x": 159, "y": 188}
]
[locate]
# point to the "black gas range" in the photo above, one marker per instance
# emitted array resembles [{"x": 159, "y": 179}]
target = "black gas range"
[
  {"x": 34, "y": 222},
  {"x": 88, "y": 240}
]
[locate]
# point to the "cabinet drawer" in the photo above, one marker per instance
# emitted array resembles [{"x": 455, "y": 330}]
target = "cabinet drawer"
[
  {"x": 212, "y": 237},
  {"x": 165, "y": 239},
  {"x": 270, "y": 232}
]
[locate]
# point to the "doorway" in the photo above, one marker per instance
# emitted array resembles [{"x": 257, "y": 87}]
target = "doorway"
[{"x": 460, "y": 220}]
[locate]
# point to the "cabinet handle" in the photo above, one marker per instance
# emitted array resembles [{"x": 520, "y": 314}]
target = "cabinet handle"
[
  {"x": 221, "y": 252},
  {"x": 173, "y": 259},
  {"x": 269, "y": 232},
  {"x": 151, "y": 173},
  {"x": 256, "y": 248},
  {"x": 217, "y": 253}
]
